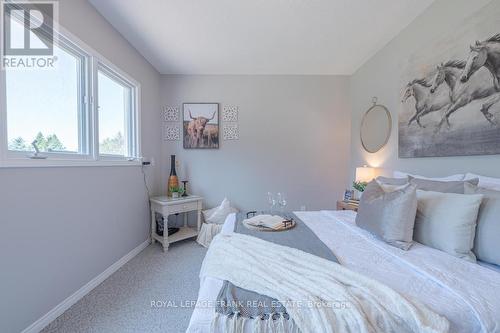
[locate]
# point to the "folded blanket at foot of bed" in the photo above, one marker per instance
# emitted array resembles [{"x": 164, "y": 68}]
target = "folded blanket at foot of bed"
[
  {"x": 317, "y": 294},
  {"x": 240, "y": 304}
]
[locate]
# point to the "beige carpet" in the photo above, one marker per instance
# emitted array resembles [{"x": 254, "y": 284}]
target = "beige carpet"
[{"x": 122, "y": 303}]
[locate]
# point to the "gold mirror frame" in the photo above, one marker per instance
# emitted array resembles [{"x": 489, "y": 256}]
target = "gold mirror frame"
[{"x": 389, "y": 130}]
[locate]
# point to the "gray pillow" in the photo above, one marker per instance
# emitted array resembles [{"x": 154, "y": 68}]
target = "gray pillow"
[
  {"x": 487, "y": 242},
  {"x": 442, "y": 186},
  {"x": 388, "y": 215},
  {"x": 392, "y": 181},
  {"x": 447, "y": 222},
  {"x": 391, "y": 184}
]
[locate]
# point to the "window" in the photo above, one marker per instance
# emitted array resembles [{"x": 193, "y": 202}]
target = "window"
[
  {"x": 43, "y": 106},
  {"x": 83, "y": 111},
  {"x": 115, "y": 102}
]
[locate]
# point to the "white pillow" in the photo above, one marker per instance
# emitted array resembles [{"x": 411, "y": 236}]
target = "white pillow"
[
  {"x": 218, "y": 214},
  {"x": 447, "y": 222},
  {"x": 208, "y": 212},
  {"x": 485, "y": 182},
  {"x": 401, "y": 174},
  {"x": 486, "y": 244}
]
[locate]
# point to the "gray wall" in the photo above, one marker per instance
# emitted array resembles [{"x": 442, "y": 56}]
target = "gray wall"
[
  {"x": 381, "y": 77},
  {"x": 61, "y": 227},
  {"x": 294, "y": 137}
]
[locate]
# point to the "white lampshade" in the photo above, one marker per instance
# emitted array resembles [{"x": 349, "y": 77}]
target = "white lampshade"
[{"x": 365, "y": 174}]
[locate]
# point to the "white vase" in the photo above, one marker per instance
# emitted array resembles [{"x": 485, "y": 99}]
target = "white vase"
[{"x": 357, "y": 194}]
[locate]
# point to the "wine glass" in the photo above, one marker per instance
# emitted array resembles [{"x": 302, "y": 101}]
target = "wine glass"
[
  {"x": 271, "y": 201},
  {"x": 282, "y": 201}
]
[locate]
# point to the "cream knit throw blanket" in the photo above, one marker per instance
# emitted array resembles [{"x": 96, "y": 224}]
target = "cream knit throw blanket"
[
  {"x": 207, "y": 232},
  {"x": 319, "y": 295}
]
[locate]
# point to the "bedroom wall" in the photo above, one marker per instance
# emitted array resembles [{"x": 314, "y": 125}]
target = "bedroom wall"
[
  {"x": 294, "y": 137},
  {"x": 61, "y": 227},
  {"x": 381, "y": 77}
]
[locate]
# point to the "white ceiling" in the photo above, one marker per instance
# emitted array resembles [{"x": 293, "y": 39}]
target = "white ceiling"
[{"x": 259, "y": 36}]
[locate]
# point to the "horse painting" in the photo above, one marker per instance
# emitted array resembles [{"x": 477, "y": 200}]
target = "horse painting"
[{"x": 460, "y": 100}]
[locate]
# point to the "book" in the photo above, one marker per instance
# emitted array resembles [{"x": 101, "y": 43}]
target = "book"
[{"x": 267, "y": 221}]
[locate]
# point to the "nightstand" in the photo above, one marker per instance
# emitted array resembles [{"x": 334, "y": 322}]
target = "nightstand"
[
  {"x": 169, "y": 206},
  {"x": 342, "y": 205}
]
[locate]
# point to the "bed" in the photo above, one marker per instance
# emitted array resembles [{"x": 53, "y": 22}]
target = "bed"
[{"x": 463, "y": 292}]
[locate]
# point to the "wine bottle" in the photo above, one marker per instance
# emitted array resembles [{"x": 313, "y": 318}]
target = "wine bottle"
[{"x": 173, "y": 180}]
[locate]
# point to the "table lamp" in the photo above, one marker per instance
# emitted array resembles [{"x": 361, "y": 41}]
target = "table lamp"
[{"x": 365, "y": 174}]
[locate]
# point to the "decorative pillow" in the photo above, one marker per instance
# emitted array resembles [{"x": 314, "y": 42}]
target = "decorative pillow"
[
  {"x": 400, "y": 174},
  {"x": 391, "y": 184},
  {"x": 487, "y": 243},
  {"x": 485, "y": 182},
  {"x": 208, "y": 212},
  {"x": 218, "y": 214},
  {"x": 388, "y": 215},
  {"x": 447, "y": 222},
  {"x": 440, "y": 186}
]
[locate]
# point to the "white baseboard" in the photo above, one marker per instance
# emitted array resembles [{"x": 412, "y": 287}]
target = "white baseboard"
[{"x": 50, "y": 316}]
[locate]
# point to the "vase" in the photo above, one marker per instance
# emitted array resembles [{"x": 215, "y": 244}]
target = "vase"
[
  {"x": 357, "y": 195},
  {"x": 173, "y": 180}
]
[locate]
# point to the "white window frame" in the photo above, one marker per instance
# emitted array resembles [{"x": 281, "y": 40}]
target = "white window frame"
[
  {"x": 131, "y": 122},
  {"x": 88, "y": 154},
  {"x": 84, "y": 149}
]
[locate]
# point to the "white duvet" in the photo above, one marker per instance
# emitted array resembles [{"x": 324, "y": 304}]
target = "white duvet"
[{"x": 465, "y": 293}]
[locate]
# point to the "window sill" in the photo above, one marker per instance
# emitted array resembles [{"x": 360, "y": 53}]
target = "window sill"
[{"x": 54, "y": 163}]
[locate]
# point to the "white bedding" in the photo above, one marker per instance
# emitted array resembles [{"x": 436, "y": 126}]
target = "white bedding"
[{"x": 466, "y": 294}]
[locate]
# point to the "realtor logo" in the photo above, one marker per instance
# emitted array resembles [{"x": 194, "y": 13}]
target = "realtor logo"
[{"x": 28, "y": 34}]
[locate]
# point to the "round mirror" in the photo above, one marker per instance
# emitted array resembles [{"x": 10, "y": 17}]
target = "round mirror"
[{"x": 375, "y": 128}]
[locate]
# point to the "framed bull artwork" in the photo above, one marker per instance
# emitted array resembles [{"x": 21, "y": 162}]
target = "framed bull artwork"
[
  {"x": 201, "y": 125},
  {"x": 451, "y": 92}
]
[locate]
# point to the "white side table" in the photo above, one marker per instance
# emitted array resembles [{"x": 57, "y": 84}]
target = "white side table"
[{"x": 168, "y": 206}]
